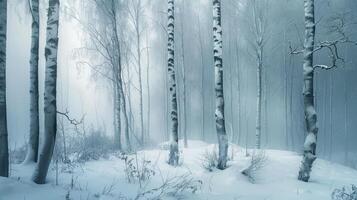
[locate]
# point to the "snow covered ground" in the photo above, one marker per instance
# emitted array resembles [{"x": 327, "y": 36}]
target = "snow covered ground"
[{"x": 105, "y": 179}]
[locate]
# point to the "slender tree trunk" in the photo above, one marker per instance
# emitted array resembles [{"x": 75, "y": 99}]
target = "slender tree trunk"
[
  {"x": 117, "y": 64},
  {"x": 203, "y": 72},
  {"x": 148, "y": 86},
  {"x": 308, "y": 91},
  {"x": 330, "y": 116},
  {"x": 265, "y": 100},
  {"x": 239, "y": 96},
  {"x": 325, "y": 118},
  {"x": 125, "y": 114},
  {"x": 346, "y": 122},
  {"x": 218, "y": 65},
  {"x": 174, "y": 153},
  {"x": 286, "y": 95},
  {"x": 258, "y": 123},
  {"x": 184, "y": 76},
  {"x": 117, "y": 114},
  {"x": 231, "y": 84},
  {"x": 130, "y": 108},
  {"x": 50, "y": 106},
  {"x": 138, "y": 49},
  {"x": 32, "y": 150},
  {"x": 291, "y": 119},
  {"x": 4, "y": 151}
]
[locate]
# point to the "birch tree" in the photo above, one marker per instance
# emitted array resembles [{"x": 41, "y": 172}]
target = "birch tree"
[
  {"x": 33, "y": 143},
  {"x": 174, "y": 153},
  {"x": 135, "y": 11},
  {"x": 218, "y": 65},
  {"x": 258, "y": 27},
  {"x": 50, "y": 108},
  {"x": 106, "y": 41},
  {"x": 309, "y": 155},
  {"x": 4, "y": 152}
]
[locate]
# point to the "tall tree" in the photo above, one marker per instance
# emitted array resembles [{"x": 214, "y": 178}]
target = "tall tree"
[
  {"x": 184, "y": 81},
  {"x": 258, "y": 25},
  {"x": 4, "y": 152},
  {"x": 32, "y": 150},
  {"x": 218, "y": 65},
  {"x": 309, "y": 68},
  {"x": 117, "y": 67},
  {"x": 135, "y": 13},
  {"x": 148, "y": 118},
  {"x": 50, "y": 106},
  {"x": 174, "y": 153}
]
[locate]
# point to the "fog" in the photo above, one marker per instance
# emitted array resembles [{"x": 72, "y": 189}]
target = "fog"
[{"x": 83, "y": 92}]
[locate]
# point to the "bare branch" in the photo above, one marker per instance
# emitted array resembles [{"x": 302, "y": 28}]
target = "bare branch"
[{"x": 72, "y": 121}]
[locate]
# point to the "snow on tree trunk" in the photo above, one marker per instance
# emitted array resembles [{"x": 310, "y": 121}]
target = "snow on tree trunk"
[
  {"x": 50, "y": 108},
  {"x": 174, "y": 154},
  {"x": 308, "y": 92},
  {"x": 4, "y": 152},
  {"x": 32, "y": 150},
  {"x": 218, "y": 65}
]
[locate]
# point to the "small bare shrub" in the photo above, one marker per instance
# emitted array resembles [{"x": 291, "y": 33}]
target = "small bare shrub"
[
  {"x": 137, "y": 170},
  {"x": 17, "y": 155},
  {"x": 257, "y": 162},
  {"x": 209, "y": 160},
  {"x": 173, "y": 187},
  {"x": 345, "y": 194}
]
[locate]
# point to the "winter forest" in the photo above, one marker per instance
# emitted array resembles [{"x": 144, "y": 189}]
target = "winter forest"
[{"x": 178, "y": 99}]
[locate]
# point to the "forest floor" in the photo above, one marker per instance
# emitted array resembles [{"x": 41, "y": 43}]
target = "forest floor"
[{"x": 106, "y": 179}]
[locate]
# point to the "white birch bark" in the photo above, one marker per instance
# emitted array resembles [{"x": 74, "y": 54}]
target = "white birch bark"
[
  {"x": 4, "y": 152},
  {"x": 308, "y": 92},
  {"x": 33, "y": 143},
  {"x": 117, "y": 115},
  {"x": 258, "y": 122},
  {"x": 50, "y": 108},
  {"x": 218, "y": 65},
  {"x": 174, "y": 154}
]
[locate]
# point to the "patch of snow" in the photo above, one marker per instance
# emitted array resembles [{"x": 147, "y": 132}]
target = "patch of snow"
[{"x": 277, "y": 179}]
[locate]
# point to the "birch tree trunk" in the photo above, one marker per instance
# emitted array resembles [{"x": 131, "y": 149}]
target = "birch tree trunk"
[
  {"x": 174, "y": 154},
  {"x": 218, "y": 65},
  {"x": 308, "y": 91},
  {"x": 50, "y": 107},
  {"x": 117, "y": 116},
  {"x": 117, "y": 65},
  {"x": 32, "y": 150},
  {"x": 4, "y": 152},
  {"x": 258, "y": 122}
]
